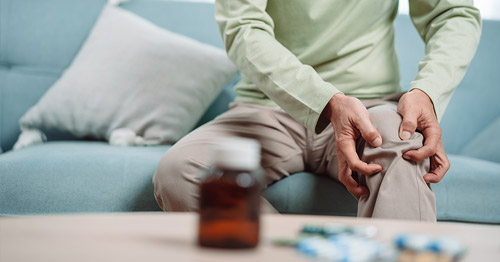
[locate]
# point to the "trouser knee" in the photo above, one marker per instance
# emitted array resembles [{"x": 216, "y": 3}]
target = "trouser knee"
[
  {"x": 399, "y": 190},
  {"x": 177, "y": 178}
]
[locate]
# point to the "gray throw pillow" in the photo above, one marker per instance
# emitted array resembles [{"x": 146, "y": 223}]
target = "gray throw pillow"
[{"x": 131, "y": 80}]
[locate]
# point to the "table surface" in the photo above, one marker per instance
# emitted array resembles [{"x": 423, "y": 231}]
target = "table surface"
[{"x": 172, "y": 237}]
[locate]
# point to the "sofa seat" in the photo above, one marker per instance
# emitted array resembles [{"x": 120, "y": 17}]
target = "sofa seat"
[
  {"x": 90, "y": 176},
  {"x": 78, "y": 176},
  {"x": 469, "y": 191}
]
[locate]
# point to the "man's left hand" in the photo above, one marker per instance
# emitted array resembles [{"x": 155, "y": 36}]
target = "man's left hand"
[{"x": 417, "y": 111}]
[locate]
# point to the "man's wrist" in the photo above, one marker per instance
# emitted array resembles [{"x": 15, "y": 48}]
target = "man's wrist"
[
  {"x": 420, "y": 93},
  {"x": 333, "y": 101}
]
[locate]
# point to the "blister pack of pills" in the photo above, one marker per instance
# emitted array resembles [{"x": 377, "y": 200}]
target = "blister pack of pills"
[{"x": 337, "y": 242}]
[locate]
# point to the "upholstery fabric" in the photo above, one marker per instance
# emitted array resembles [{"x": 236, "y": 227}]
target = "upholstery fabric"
[
  {"x": 486, "y": 144},
  {"x": 78, "y": 176},
  {"x": 293, "y": 195},
  {"x": 469, "y": 191}
]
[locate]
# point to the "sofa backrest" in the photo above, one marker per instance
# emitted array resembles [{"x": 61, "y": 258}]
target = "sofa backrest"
[{"x": 38, "y": 40}]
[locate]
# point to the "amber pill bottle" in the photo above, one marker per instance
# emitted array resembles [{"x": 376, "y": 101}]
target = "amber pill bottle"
[{"x": 229, "y": 211}]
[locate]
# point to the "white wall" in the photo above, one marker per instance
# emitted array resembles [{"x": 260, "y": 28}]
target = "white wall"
[{"x": 490, "y": 9}]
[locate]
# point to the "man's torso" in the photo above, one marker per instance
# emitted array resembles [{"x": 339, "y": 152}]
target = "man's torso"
[{"x": 350, "y": 44}]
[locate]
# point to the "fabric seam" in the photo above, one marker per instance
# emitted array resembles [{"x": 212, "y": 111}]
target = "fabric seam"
[{"x": 418, "y": 193}]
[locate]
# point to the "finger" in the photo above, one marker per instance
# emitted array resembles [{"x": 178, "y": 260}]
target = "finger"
[
  {"x": 435, "y": 175},
  {"x": 348, "y": 149},
  {"x": 408, "y": 124},
  {"x": 345, "y": 176},
  {"x": 355, "y": 188},
  {"x": 368, "y": 131},
  {"x": 432, "y": 137},
  {"x": 440, "y": 165}
]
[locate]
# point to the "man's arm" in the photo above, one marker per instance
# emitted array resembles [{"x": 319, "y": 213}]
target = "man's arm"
[
  {"x": 248, "y": 34},
  {"x": 451, "y": 30}
]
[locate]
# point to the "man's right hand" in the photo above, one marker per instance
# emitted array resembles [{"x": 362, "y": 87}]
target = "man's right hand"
[{"x": 350, "y": 119}]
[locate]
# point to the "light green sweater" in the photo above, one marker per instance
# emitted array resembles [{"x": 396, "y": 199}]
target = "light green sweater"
[{"x": 297, "y": 54}]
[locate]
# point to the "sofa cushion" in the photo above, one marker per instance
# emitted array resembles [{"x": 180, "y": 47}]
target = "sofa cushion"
[
  {"x": 486, "y": 145},
  {"x": 469, "y": 191},
  {"x": 306, "y": 193},
  {"x": 95, "y": 177},
  {"x": 132, "y": 74},
  {"x": 83, "y": 176}
]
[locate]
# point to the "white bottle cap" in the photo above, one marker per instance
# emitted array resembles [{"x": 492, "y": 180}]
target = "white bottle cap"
[{"x": 237, "y": 153}]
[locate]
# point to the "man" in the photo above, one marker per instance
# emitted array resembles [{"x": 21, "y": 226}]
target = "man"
[{"x": 307, "y": 65}]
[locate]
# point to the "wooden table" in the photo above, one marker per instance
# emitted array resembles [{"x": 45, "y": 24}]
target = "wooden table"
[{"x": 162, "y": 236}]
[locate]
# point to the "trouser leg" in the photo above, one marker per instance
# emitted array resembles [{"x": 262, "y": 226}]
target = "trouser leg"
[
  {"x": 181, "y": 169},
  {"x": 399, "y": 190}
]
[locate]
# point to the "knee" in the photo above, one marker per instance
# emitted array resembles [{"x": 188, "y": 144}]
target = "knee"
[
  {"x": 176, "y": 180},
  {"x": 387, "y": 122},
  {"x": 399, "y": 191}
]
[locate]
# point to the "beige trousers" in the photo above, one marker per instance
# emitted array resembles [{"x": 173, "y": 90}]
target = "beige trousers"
[{"x": 398, "y": 191}]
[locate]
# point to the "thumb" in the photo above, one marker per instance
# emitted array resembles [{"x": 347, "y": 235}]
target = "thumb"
[{"x": 408, "y": 125}]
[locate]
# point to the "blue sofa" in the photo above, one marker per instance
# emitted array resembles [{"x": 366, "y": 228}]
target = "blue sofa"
[{"x": 38, "y": 40}]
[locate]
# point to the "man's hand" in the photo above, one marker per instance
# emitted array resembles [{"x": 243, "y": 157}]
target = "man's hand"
[
  {"x": 350, "y": 119},
  {"x": 439, "y": 165},
  {"x": 418, "y": 113}
]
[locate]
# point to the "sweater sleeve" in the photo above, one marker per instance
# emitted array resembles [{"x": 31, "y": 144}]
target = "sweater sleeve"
[
  {"x": 451, "y": 30},
  {"x": 248, "y": 34}
]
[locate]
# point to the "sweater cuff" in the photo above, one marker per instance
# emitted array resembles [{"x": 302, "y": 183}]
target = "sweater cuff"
[{"x": 317, "y": 121}]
